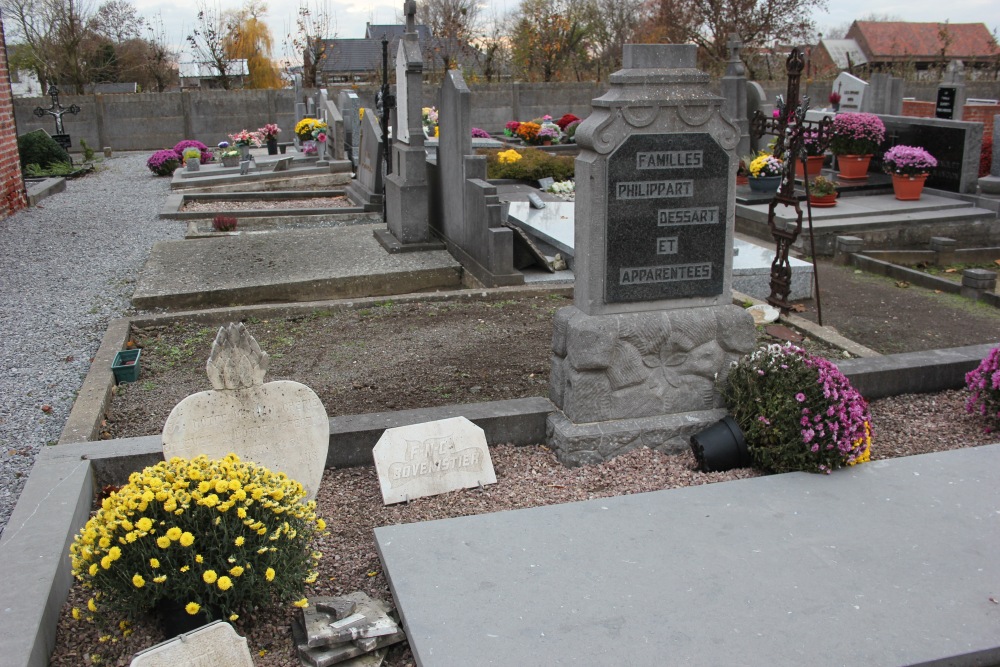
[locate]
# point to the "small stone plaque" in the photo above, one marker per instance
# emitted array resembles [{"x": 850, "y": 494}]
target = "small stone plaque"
[
  {"x": 432, "y": 458},
  {"x": 281, "y": 425},
  {"x": 282, "y": 164},
  {"x": 210, "y": 645},
  {"x": 668, "y": 203}
]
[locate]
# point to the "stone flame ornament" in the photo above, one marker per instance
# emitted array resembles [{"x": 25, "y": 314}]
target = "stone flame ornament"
[{"x": 281, "y": 425}]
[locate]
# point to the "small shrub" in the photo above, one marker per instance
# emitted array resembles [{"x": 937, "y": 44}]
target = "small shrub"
[
  {"x": 206, "y": 155},
  {"x": 480, "y": 134},
  {"x": 797, "y": 411},
  {"x": 54, "y": 169},
  {"x": 216, "y": 536},
  {"x": 224, "y": 223},
  {"x": 533, "y": 165},
  {"x": 163, "y": 163},
  {"x": 88, "y": 152},
  {"x": 39, "y": 148},
  {"x": 984, "y": 385},
  {"x": 822, "y": 187}
]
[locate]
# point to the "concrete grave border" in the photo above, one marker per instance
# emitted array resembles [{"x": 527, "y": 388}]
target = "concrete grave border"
[
  {"x": 57, "y": 497},
  {"x": 172, "y": 207}
]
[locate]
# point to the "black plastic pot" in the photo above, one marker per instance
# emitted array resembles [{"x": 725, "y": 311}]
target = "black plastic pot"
[
  {"x": 272, "y": 146},
  {"x": 721, "y": 447}
]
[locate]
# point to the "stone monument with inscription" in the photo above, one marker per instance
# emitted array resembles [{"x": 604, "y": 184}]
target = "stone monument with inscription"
[
  {"x": 280, "y": 425},
  {"x": 431, "y": 458},
  {"x": 407, "y": 192},
  {"x": 636, "y": 358}
]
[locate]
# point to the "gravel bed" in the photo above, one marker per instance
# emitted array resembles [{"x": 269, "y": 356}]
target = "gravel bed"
[
  {"x": 267, "y": 204},
  {"x": 67, "y": 267},
  {"x": 350, "y": 500}
]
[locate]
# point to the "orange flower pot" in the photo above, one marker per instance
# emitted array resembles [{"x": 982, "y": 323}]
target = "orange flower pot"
[
  {"x": 853, "y": 167},
  {"x": 823, "y": 201},
  {"x": 814, "y": 163},
  {"x": 908, "y": 187}
]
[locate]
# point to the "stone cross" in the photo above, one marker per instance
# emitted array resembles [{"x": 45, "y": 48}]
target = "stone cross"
[
  {"x": 735, "y": 63},
  {"x": 57, "y": 110},
  {"x": 410, "y": 10}
]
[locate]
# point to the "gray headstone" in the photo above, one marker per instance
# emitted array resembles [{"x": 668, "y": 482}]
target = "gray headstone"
[
  {"x": 213, "y": 644},
  {"x": 655, "y": 214},
  {"x": 348, "y": 103},
  {"x": 756, "y": 99},
  {"x": 369, "y": 172},
  {"x": 281, "y": 425}
]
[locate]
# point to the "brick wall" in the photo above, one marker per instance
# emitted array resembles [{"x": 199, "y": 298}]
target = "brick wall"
[
  {"x": 982, "y": 113},
  {"x": 918, "y": 109},
  {"x": 12, "y": 195}
]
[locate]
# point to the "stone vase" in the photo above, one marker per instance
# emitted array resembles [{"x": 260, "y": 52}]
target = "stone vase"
[
  {"x": 321, "y": 150},
  {"x": 244, "y": 152},
  {"x": 908, "y": 187},
  {"x": 853, "y": 167},
  {"x": 193, "y": 165}
]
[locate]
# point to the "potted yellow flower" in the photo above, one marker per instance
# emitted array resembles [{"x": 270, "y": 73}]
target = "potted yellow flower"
[{"x": 199, "y": 539}]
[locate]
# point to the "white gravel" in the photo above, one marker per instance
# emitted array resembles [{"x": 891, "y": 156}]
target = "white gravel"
[{"x": 67, "y": 267}]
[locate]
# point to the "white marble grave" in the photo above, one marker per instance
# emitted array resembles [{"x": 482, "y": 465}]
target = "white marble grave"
[
  {"x": 210, "y": 645},
  {"x": 280, "y": 425},
  {"x": 432, "y": 458},
  {"x": 852, "y": 91}
]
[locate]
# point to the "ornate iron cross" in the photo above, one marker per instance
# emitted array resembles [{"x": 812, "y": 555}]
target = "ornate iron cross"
[
  {"x": 791, "y": 129},
  {"x": 57, "y": 110}
]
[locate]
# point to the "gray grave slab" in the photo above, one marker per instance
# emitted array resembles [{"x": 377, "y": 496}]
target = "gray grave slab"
[
  {"x": 213, "y": 644},
  {"x": 752, "y": 272},
  {"x": 282, "y": 164},
  {"x": 553, "y": 224},
  {"x": 891, "y": 562}
]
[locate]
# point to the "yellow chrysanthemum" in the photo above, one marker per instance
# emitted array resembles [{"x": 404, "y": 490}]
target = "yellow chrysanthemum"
[
  {"x": 114, "y": 553},
  {"x": 199, "y": 559},
  {"x": 239, "y": 541},
  {"x": 91, "y": 605},
  {"x": 163, "y": 541},
  {"x": 302, "y": 604},
  {"x": 138, "y": 581},
  {"x": 236, "y": 570},
  {"x": 174, "y": 533},
  {"x": 187, "y": 539},
  {"x": 160, "y": 579},
  {"x": 104, "y": 542},
  {"x": 154, "y": 563},
  {"x": 241, "y": 512},
  {"x": 76, "y": 614},
  {"x": 320, "y": 524},
  {"x": 269, "y": 574},
  {"x": 185, "y": 568},
  {"x": 224, "y": 583},
  {"x": 221, "y": 486},
  {"x": 106, "y": 562},
  {"x": 209, "y": 576},
  {"x": 204, "y": 487},
  {"x": 144, "y": 524},
  {"x": 233, "y": 617},
  {"x": 93, "y": 568},
  {"x": 192, "y": 608}
]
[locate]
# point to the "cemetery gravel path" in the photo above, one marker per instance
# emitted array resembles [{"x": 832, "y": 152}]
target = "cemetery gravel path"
[{"x": 67, "y": 267}]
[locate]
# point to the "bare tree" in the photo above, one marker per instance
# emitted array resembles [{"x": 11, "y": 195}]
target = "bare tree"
[
  {"x": 208, "y": 43},
  {"x": 613, "y": 24},
  {"x": 314, "y": 24},
  {"x": 454, "y": 24}
]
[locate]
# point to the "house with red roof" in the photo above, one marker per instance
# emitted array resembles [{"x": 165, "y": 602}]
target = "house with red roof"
[{"x": 873, "y": 46}]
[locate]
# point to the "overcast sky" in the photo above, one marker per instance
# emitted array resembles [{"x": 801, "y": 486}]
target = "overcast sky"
[{"x": 179, "y": 15}]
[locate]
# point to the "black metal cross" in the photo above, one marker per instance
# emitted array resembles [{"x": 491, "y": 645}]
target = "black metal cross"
[
  {"x": 57, "y": 110},
  {"x": 790, "y": 127}
]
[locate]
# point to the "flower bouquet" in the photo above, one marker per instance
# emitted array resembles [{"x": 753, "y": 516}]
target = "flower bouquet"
[
  {"x": 306, "y": 128},
  {"x": 217, "y": 538},
  {"x": 548, "y": 134},
  {"x": 245, "y": 138},
  {"x": 984, "y": 384},
  {"x": 429, "y": 119},
  {"x": 907, "y": 161},
  {"x": 206, "y": 155},
  {"x": 510, "y": 129},
  {"x": 766, "y": 165},
  {"x": 527, "y": 132},
  {"x": 857, "y": 134},
  {"x": 269, "y": 132},
  {"x": 797, "y": 411}
]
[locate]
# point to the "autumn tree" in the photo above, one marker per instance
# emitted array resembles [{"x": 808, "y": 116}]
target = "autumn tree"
[
  {"x": 612, "y": 24},
  {"x": 249, "y": 38},
  {"x": 548, "y": 39},
  {"x": 708, "y": 23}
]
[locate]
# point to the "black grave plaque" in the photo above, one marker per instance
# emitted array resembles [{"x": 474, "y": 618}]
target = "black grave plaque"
[
  {"x": 668, "y": 202},
  {"x": 946, "y": 144},
  {"x": 945, "y": 107},
  {"x": 63, "y": 140}
]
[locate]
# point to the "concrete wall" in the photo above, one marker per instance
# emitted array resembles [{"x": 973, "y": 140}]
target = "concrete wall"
[{"x": 151, "y": 121}]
